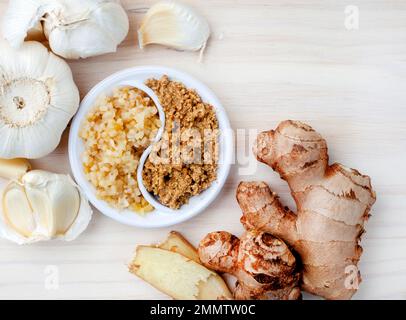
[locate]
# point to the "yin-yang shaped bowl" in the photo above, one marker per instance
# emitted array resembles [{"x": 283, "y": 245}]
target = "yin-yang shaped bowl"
[{"x": 161, "y": 216}]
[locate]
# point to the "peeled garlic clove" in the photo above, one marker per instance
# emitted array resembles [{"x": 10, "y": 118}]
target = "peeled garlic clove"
[
  {"x": 13, "y": 168},
  {"x": 174, "y": 25},
  {"x": 43, "y": 206},
  {"x": 37, "y": 99},
  {"x": 84, "y": 28},
  {"x": 17, "y": 210}
]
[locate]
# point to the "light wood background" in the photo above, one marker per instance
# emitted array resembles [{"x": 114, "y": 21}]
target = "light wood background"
[{"x": 267, "y": 61}]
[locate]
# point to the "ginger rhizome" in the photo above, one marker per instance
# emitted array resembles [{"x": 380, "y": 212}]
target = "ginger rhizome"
[
  {"x": 333, "y": 202},
  {"x": 263, "y": 264}
]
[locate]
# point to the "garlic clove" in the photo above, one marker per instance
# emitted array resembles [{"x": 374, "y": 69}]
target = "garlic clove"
[
  {"x": 32, "y": 61},
  {"x": 13, "y": 168},
  {"x": 50, "y": 128},
  {"x": 82, "y": 219},
  {"x": 9, "y": 139},
  {"x": 65, "y": 205},
  {"x": 17, "y": 210},
  {"x": 29, "y": 140},
  {"x": 54, "y": 198},
  {"x": 114, "y": 19},
  {"x": 64, "y": 94},
  {"x": 174, "y": 25}
]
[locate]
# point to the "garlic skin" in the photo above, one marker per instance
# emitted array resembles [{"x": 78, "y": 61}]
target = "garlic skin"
[
  {"x": 43, "y": 206},
  {"x": 174, "y": 25},
  {"x": 38, "y": 97},
  {"x": 36, "y": 33},
  {"x": 74, "y": 28}
]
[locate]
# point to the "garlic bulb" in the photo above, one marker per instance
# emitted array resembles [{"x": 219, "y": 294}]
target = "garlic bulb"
[
  {"x": 43, "y": 206},
  {"x": 174, "y": 25},
  {"x": 74, "y": 28},
  {"x": 21, "y": 18},
  {"x": 84, "y": 28},
  {"x": 37, "y": 99}
]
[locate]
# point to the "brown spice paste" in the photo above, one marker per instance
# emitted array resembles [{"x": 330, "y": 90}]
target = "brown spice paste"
[{"x": 190, "y": 144}]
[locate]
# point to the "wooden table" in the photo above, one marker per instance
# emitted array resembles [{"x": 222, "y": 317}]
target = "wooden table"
[{"x": 267, "y": 60}]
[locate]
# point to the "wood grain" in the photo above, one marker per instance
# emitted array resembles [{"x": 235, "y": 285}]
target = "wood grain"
[{"x": 267, "y": 60}]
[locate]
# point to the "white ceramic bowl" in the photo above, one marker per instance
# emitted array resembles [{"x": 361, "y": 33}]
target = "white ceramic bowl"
[{"x": 161, "y": 216}]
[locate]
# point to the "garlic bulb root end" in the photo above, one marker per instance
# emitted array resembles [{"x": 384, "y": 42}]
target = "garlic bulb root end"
[{"x": 38, "y": 97}]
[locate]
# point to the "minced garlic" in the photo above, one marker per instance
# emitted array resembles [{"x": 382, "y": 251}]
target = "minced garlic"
[{"x": 116, "y": 132}]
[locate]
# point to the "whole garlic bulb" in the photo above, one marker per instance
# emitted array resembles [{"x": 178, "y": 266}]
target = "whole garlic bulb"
[
  {"x": 21, "y": 17},
  {"x": 74, "y": 28},
  {"x": 43, "y": 206},
  {"x": 37, "y": 100}
]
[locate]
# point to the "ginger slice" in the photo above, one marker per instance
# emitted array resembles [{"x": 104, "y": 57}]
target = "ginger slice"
[{"x": 177, "y": 276}]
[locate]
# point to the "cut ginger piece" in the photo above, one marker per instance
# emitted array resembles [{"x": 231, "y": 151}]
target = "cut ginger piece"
[
  {"x": 177, "y": 243},
  {"x": 177, "y": 276}
]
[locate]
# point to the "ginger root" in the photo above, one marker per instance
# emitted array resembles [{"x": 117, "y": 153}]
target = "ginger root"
[
  {"x": 333, "y": 202},
  {"x": 263, "y": 264}
]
